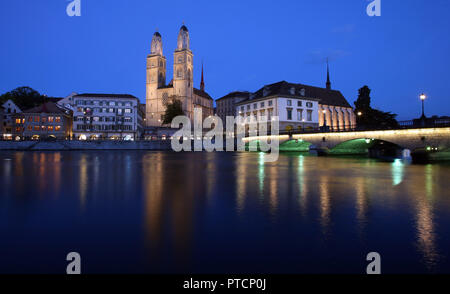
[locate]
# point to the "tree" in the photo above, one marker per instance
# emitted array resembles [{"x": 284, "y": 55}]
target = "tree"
[
  {"x": 369, "y": 117},
  {"x": 173, "y": 109},
  {"x": 23, "y": 97}
]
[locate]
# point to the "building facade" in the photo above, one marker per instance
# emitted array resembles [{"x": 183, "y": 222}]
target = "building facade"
[
  {"x": 107, "y": 116},
  {"x": 226, "y": 105},
  {"x": 158, "y": 94},
  {"x": 43, "y": 122},
  {"x": 67, "y": 101},
  {"x": 10, "y": 110},
  {"x": 300, "y": 106},
  {"x": 288, "y": 102}
]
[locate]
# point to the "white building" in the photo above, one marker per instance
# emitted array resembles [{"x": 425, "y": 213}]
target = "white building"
[
  {"x": 68, "y": 102},
  {"x": 107, "y": 116},
  {"x": 299, "y": 107},
  {"x": 289, "y": 102},
  {"x": 10, "y": 109}
]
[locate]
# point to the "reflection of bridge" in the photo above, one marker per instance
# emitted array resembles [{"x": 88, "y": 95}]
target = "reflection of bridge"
[{"x": 391, "y": 143}]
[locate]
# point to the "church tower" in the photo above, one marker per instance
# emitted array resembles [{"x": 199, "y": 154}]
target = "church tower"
[
  {"x": 156, "y": 78},
  {"x": 182, "y": 72},
  {"x": 328, "y": 84}
]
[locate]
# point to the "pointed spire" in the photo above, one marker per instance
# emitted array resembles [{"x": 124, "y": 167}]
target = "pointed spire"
[
  {"x": 202, "y": 83},
  {"x": 328, "y": 77}
]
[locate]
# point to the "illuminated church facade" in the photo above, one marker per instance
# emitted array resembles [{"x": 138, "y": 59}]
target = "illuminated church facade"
[{"x": 181, "y": 87}]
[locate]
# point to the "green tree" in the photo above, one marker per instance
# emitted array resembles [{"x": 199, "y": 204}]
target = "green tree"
[
  {"x": 368, "y": 117},
  {"x": 23, "y": 97},
  {"x": 173, "y": 109}
]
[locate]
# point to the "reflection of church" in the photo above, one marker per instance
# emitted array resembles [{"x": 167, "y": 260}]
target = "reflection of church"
[{"x": 180, "y": 87}]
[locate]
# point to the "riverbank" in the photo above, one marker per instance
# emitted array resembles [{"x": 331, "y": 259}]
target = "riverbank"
[{"x": 85, "y": 145}]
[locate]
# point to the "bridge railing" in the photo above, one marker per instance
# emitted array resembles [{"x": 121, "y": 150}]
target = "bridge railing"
[{"x": 410, "y": 124}]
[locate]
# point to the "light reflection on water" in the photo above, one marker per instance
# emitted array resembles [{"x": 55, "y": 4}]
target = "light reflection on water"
[{"x": 222, "y": 212}]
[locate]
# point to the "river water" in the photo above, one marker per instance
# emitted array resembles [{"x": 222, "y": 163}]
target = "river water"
[{"x": 166, "y": 212}]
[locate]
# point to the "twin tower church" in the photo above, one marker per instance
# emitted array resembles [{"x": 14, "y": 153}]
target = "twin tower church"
[{"x": 181, "y": 87}]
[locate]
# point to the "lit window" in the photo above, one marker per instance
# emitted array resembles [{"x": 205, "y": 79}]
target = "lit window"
[
  {"x": 50, "y": 128},
  {"x": 58, "y": 119},
  {"x": 57, "y": 128},
  {"x": 309, "y": 115},
  {"x": 299, "y": 114},
  {"x": 50, "y": 119}
]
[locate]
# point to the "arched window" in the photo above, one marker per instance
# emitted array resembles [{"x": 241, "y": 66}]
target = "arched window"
[{"x": 179, "y": 73}]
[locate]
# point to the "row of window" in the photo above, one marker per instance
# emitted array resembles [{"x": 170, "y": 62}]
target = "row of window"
[
  {"x": 88, "y": 110},
  {"x": 299, "y": 114},
  {"x": 102, "y": 103},
  {"x": 43, "y": 119},
  {"x": 270, "y": 103},
  {"x": 103, "y": 119},
  {"x": 104, "y": 128},
  {"x": 40, "y": 129}
]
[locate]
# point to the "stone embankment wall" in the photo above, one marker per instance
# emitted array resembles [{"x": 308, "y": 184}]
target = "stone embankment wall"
[{"x": 85, "y": 145}]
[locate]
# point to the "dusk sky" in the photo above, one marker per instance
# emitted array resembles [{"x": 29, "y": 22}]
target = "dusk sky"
[{"x": 243, "y": 44}]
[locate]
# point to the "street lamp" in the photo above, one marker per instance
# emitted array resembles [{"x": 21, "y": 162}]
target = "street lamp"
[
  {"x": 423, "y": 97},
  {"x": 359, "y": 113}
]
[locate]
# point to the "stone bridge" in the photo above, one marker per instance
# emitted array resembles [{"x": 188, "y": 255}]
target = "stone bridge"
[{"x": 361, "y": 142}]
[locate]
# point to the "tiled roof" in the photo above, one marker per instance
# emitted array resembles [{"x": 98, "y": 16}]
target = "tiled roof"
[
  {"x": 48, "y": 107},
  {"x": 325, "y": 96},
  {"x": 236, "y": 94}
]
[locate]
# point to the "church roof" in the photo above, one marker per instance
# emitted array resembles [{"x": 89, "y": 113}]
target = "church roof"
[
  {"x": 283, "y": 88},
  {"x": 202, "y": 94}
]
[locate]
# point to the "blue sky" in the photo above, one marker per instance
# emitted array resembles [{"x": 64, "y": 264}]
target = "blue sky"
[{"x": 243, "y": 44}]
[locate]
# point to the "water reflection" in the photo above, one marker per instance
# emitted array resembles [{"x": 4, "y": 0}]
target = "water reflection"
[
  {"x": 397, "y": 172},
  {"x": 182, "y": 212}
]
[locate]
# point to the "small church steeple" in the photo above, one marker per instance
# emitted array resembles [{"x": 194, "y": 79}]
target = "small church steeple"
[
  {"x": 328, "y": 77},
  {"x": 202, "y": 83}
]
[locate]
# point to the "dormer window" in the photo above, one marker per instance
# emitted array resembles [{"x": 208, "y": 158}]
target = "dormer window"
[
  {"x": 292, "y": 90},
  {"x": 302, "y": 92}
]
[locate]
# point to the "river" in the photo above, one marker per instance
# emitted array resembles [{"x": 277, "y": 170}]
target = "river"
[{"x": 223, "y": 212}]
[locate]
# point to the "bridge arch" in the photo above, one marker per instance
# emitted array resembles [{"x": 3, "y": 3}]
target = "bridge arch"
[
  {"x": 295, "y": 145},
  {"x": 367, "y": 146}
]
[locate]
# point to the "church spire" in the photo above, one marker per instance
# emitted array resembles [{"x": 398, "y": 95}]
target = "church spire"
[
  {"x": 328, "y": 77},
  {"x": 202, "y": 83}
]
